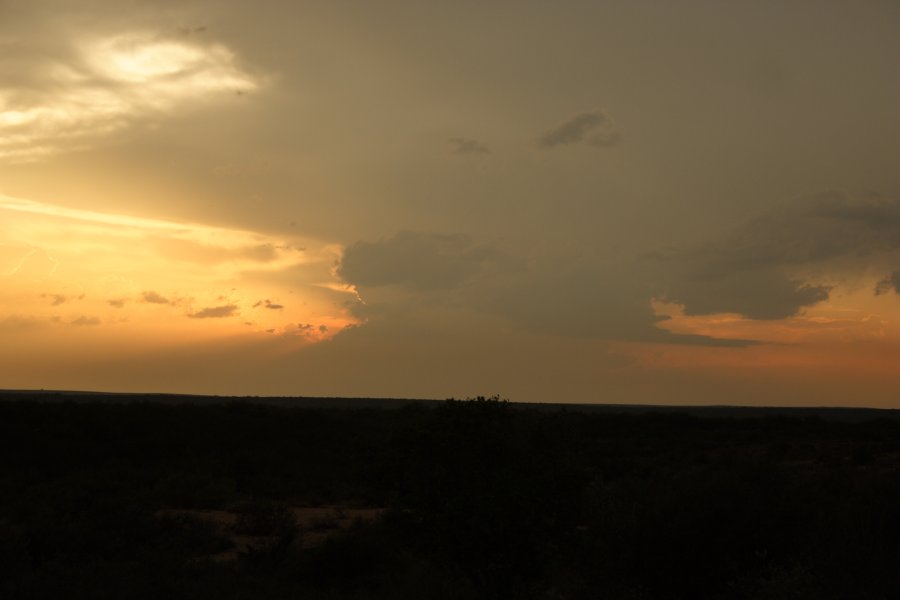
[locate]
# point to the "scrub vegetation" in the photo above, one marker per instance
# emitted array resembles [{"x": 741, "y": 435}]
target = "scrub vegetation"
[{"x": 462, "y": 499}]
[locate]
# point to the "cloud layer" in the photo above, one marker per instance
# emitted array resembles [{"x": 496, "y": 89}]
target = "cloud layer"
[
  {"x": 87, "y": 88},
  {"x": 771, "y": 268}
]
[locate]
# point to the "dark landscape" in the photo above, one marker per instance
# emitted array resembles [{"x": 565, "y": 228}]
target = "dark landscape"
[{"x": 143, "y": 496}]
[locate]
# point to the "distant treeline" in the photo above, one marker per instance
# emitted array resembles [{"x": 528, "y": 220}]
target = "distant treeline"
[
  {"x": 484, "y": 499},
  {"x": 839, "y": 413}
]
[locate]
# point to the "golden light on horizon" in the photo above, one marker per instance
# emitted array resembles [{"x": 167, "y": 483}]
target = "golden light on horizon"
[
  {"x": 160, "y": 282},
  {"x": 851, "y": 338}
]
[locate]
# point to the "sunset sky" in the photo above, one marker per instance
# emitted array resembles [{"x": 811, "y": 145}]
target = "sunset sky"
[{"x": 691, "y": 202}]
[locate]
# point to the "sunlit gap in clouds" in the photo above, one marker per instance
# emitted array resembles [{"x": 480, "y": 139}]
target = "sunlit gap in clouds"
[
  {"x": 854, "y": 333},
  {"x": 110, "y": 83},
  {"x": 152, "y": 282}
]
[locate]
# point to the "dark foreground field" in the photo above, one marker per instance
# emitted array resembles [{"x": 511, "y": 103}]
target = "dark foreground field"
[{"x": 475, "y": 499}]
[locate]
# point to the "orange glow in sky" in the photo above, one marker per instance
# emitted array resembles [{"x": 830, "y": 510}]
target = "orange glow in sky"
[{"x": 160, "y": 282}]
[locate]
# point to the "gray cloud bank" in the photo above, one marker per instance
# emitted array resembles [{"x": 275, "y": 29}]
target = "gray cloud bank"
[
  {"x": 757, "y": 270},
  {"x": 417, "y": 260},
  {"x": 772, "y": 267},
  {"x": 414, "y": 273}
]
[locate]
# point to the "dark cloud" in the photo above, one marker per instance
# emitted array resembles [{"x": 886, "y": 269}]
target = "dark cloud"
[
  {"x": 468, "y": 146},
  {"x": 757, "y": 269},
  {"x": 268, "y": 304},
  {"x": 826, "y": 227},
  {"x": 415, "y": 260},
  {"x": 891, "y": 283},
  {"x": 55, "y": 299},
  {"x": 772, "y": 267},
  {"x": 116, "y": 303},
  {"x": 592, "y": 128},
  {"x": 188, "y": 31},
  {"x": 216, "y": 312},
  {"x": 584, "y": 297},
  {"x": 542, "y": 291},
  {"x": 154, "y": 298},
  {"x": 756, "y": 294},
  {"x": 58, "y": 299}
]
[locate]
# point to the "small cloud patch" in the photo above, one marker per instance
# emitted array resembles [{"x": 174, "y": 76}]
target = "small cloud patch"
[
  {"x": 889, "y": 284},
  {"x": 593, "y": 128},
  {"x": 58, "y": 299},
  {"x": 468, "y": 146},
  {"x": 154, "y": 298},
  {"x": 268, "y": 304},
  {"x": 86, "y": 321},
  {"x": 216, "y": 312}
]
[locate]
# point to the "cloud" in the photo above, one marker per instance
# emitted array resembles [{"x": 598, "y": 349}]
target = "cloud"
[
  {"x": 60, "y": 299},
  {"x": 891, "y": 283},
  {"x": 766, "y": 268},
  {"x": 415, "y": 260},
  {"x": 593, "y": 128},
  {"x": 825, "y": 227},
  {"x": 154, "y": 298},
  {"x": 756, "y": 294},
  {"x": 17, "y": 324},
  {"x": 69, "y": 93},
  {"x": 468, "y": 146},
  {"x": 584, "y": 297},
  {"x": 268, "y": 304},
  {"x": 108, "y": 255},
  {"x": 770, "y": 268},
  {"x": 541, "y": 290},
  {"x": 199, "y": 253},
  {"x": 216, "y": 312},
  {"x": 88, "y": 321}
]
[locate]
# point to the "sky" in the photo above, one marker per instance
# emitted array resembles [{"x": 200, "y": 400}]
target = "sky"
[{"x": 656, "y": 202}]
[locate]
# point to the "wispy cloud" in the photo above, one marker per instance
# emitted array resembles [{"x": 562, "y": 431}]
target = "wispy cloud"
[
  {"x": 62, "y": 100},
  {"x": 154, "y": 298},
  {"x": 468, "y": 146},
  {"x": 216, "y": 312},
  {"x": 90, "y": 321},
  {"x": 592, "y": 128},
  {"x": 122, "y": 270}
]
